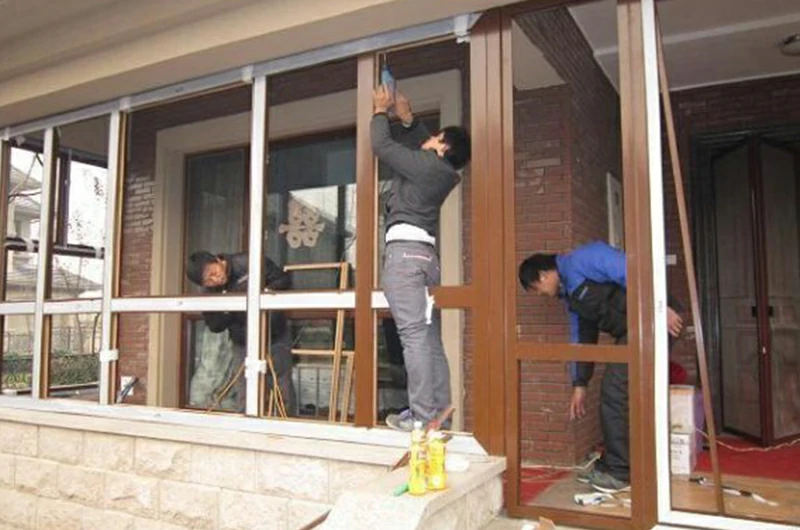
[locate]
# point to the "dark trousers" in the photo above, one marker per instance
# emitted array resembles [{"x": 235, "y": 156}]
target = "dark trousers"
[
  {"x": 614, "y": 422},
  {"x": 410, "y": 270}
]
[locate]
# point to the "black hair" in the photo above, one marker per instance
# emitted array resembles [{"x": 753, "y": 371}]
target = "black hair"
[
  {"x": 530, "y": 270},
  {"x": 196, "y": 265},
  {"x": 459, "y": 146}
]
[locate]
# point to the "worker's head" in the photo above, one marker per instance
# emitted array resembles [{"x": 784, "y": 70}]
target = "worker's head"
[
  {"x": 451, "y": 143},
  {"x": 539, "y": 273},
  {"x": 206, "y": 269}
]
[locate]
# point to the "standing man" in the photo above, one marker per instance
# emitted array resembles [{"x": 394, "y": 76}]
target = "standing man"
[
  {"x": 593, "y": 280},
  {"x": 228, "y": 273},
  {"x": 425, "y": 169}
]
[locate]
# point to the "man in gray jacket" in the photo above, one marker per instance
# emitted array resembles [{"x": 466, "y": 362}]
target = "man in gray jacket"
[{"x": 424, "y": 171}]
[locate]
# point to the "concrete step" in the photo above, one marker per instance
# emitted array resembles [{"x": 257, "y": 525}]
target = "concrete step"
[{"x": 472, "y": 499}]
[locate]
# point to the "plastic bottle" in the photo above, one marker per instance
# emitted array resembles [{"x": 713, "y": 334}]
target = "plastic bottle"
[
  {"x": 388, "y": 79},
  {"x": 437, "y": 453},
  {"x": 418, "y": 462}
]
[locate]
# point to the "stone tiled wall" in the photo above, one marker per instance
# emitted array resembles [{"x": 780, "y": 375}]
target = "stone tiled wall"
[{"x": 53, "y": 478}]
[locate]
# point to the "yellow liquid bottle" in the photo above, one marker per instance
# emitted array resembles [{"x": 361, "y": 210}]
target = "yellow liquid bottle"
[
  {"x": 437, "y": 475},
  {"x": 418, "y": 462}
]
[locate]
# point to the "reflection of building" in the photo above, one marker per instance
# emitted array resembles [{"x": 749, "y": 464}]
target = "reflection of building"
[{"x": 70, "y": 332}]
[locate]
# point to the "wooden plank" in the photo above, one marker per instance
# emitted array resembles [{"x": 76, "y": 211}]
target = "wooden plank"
[
  {"x": 677, "y": 172},
  {"x": 365, "y": 362}
]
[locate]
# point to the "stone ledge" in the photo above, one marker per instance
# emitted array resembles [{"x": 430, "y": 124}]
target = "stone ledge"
[
  {"x": 334, "y": 442},
  {"x": 475, "y": 496}
]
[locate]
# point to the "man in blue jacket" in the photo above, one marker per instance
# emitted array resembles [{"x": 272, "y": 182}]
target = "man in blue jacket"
[{"x": 592, "y": 280}]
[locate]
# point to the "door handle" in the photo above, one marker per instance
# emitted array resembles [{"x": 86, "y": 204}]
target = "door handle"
[{"x": 770, "y": 311}]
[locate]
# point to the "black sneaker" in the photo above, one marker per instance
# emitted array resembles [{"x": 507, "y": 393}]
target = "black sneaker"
[
  {"x": 605, "y": 483},
  {"x": 585, "y": 477}
]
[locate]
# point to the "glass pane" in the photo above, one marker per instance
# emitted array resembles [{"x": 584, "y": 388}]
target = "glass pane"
[
  {"x": 213, "y": 360},
  {"x": 311, "y": 207},
  {"x": 313, "y": 339},
  {"x": 559, "y": 451},
  {"x": 168, "y": 146},
  {"x": 25, "y": 189},
  {"x": 75, "y": 277},
  {"x": 310, "y": 217},
  {"x": 433, "y": 78},
  {"x": 21, "y": 267},
  {"x": 197, "y": 358},
  {"x": 17, "y": 359},
  {"x": 216, "y": 193},
  {"x": 84, "y": 150},
  {"x": 74, "y": 356},
  {"x": 568, "y": 173}
]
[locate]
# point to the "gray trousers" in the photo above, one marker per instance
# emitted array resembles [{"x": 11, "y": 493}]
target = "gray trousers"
[{"x": 409, "y": 270}]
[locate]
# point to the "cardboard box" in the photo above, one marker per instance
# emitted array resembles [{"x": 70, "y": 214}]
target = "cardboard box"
[
  {"x": 683, "y": 453},
  {"x": 686, "y": 413}
]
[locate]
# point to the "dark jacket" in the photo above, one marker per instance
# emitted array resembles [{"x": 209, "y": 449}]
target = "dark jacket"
[
  {"x": 600, "y": 307},
  {"x": 421, "y": 181},
  {"x": 236, "y": 322}
]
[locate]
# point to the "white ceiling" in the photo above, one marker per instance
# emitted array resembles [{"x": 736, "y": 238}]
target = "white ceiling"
[{"x": 706, "y": 42}]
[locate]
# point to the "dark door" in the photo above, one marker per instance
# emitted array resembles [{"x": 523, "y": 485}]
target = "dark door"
[{"x": 758, "y": 260}]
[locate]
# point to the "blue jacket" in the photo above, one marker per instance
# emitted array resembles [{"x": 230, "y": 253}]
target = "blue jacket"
[{"x": 595, "y": 262}]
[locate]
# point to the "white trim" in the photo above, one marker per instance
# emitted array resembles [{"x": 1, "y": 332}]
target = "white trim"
[
  {"x": 193, "y": 304},
  {"x": 658, "y": 250},
  {"x": 45, "y": 228},
  {"x": 112, "y": 183},
  {"x": 310, "y": 300},
  {"x": 224, "y": 424},
  {"x": 69, "y": 307},
  {"x": 17, "y": 308},
  {"x": 258, "y": 141}
]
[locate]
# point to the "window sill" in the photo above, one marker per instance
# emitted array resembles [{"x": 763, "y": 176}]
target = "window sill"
[{"x": 376, "y": 446}]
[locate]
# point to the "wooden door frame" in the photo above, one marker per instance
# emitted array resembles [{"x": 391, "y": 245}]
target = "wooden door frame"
[{"x": 491, "y": 53}]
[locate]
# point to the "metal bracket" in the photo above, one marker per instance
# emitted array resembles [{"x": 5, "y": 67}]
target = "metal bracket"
[
  {"x": 107, "y": 356},
  {"x": 254, "y": 367},
  {"x": 461, "y": 26}
]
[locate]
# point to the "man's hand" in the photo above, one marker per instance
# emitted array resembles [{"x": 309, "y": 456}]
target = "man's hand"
[
  {"x": 674, "y": 322},
  {"x": 577, "y": 405},
  {"x": 381, "y": 99},
  {"x": 402, "y": 107}
]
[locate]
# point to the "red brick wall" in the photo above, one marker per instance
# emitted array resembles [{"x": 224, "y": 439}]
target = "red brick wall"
[
  {"x": 723, "y": 108},
  {"x": 567, "y": 139}
]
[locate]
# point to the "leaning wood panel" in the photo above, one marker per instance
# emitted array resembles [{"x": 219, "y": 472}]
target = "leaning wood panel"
[{"x": 686, "y": 241}]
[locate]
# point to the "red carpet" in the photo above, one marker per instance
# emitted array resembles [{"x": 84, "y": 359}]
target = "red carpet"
[
  {"x": 534, "y": 480},
  {"x": 780, "y": 464}
]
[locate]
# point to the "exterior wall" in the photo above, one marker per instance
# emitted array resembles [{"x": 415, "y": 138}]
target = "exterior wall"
[
  {"x": 724, "y": 108},
  {"x": 75, "y": 479}
]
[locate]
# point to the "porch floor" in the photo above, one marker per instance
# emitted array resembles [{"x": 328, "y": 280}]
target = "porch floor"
[{"x": 689, "y": 497}]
